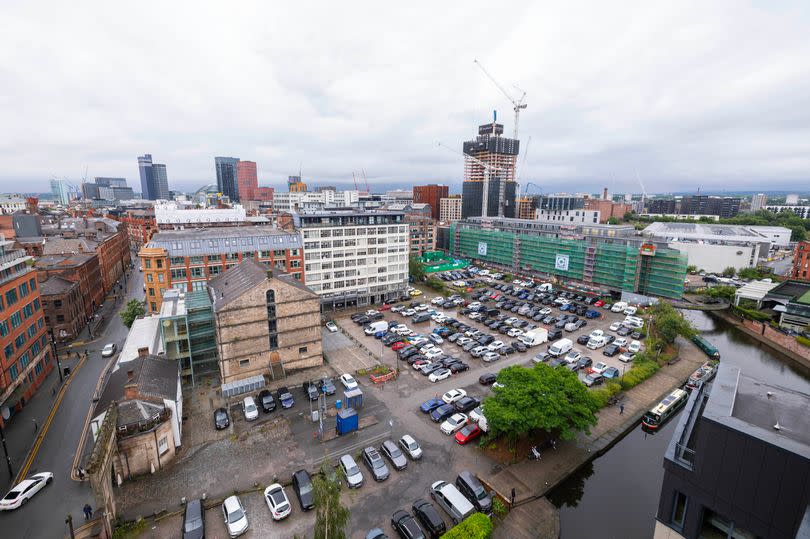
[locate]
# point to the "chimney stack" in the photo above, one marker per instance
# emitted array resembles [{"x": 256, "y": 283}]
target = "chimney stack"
[
  {"x": 143, "y": 351},
  {"x": 130, "y": 391},
  {"x": 604, "y": 194}
]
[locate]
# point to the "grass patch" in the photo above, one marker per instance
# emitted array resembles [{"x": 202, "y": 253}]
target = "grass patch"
[{"x": 131, "y": 529}]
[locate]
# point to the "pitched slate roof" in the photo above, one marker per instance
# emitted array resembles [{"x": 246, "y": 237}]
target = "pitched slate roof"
[
  {"x": 55, "y": 285},
  {"x": 155, "y": 377},
  {"x": 228, "y": 286}
]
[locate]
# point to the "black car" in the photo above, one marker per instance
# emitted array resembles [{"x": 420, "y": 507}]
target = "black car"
[
  {"x": 405, "y": 526},
  {"x": 442, "y": 412},
  {"x": 487, "y": 379},
  {"x": 302, "y": 485},
  {"x": 610, "y": 350},
  {"x": 221, "y": 419},
  {"x": 266, "y": 401},
  {"x": 583, "y": 339},
  {"x": 311, "y": 389},
  {"x": 584, "y": 363},
  {"x": 556, "y": 362},
  {"x": 429, "y": 517},
  {"x": 285, "y": 397},
  {"x": 637, "y": 336},
  {"x": 473, "y": 490},
  {"x": 624, "y": 331},
  {"x": 414, "y": 358},
  {"x": 194, "y": 520},
  {"x": 465, "y": 404},
  {"x": 554, "y": 334},
  {"x": 327, "y": 386},
  {"x": 458, "y": 366},
  {"x": 362, "y": 321},
  {"x": 506, "y": 350},
  {"x": 519, "y": 346},
  {"x": 432, "y": 367}
]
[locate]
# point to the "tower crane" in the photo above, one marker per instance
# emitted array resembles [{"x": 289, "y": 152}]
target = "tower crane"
[
  {"x": 517, "y": 104},
  {"x": 643, "y": 191},
  {"x": 487, "y": 168},
  {"x": 517, "y": 176}
]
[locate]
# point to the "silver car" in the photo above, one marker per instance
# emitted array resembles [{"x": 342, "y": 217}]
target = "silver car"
[
  {"x": 375, "y": 464},
  {"x": 354, "y": 477},
  {"x": 410, "y": 446},
  {"x": 392, "y": 452}
]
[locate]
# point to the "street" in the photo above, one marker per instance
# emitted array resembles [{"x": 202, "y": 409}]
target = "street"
[{"x": 45, "y": 514}]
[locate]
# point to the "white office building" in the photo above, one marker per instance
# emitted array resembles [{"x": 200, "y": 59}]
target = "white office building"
[
  {"x": 176, "y": 215},
  {"x": 801, "y": 211},
  {"x": 450, "y": 209},
  {"x": 354, "y": 257},
  {"x": 758, "y": 201},
  {"x": 298, "y": 201},
  {"x": 579, "y": 216}
]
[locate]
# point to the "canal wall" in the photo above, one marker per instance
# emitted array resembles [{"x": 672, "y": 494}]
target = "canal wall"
[
  {"x": 532, "y": 480},
  {"x": 764, "y": 333}
]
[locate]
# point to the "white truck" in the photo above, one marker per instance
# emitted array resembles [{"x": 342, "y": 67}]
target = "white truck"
[
  {"x": 561, "y": 347},
  {"x": 534, "y": 337}
]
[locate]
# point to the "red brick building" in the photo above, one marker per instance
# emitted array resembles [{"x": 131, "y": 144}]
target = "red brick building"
[
  {"x": 246, "y": 180},
  {"x": 140, "y": 225},
  {"x": 26, "y": 357},
  {"x": 263, "y": 194},
  {"x": 80, "y": 268},
  {"x": 430, "y": 194},
  {"x": 801, "y": 261},
  {"x": 64, "y": 307},
  {"x": 608, "y": 208}
]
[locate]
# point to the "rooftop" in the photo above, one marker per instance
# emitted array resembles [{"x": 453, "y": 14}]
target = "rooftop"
[
  {"x": 790, "y": 290},
  {"x": 55, "y": 285},
  {"x": 707, "y": 232},
  {"x": 756, "y": 290},
  {"x": 145, "y": 332},
  {"x": 155, "y": 377},
  {"x": 225, "y": 239},
  {"x": 771, "y": 413},
  {"x": 232, "y": 284}
]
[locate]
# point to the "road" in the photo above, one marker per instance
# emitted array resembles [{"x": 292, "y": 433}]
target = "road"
[{"x": 45, "y": 514}]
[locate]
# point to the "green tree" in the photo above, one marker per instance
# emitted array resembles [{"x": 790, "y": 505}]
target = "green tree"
[
  {"x": 475, "y": 526},
  {"x": 331, "y": 516},
  {"x": 691, "y": 268},
  {"x": 669, "y": 323},
  {"x": 539, "y": 398},
  {"x": 416, "y": 268},
  {"x": 723, "y": 292},
  {"x": 132, "y": 310},
  {"x": 750, "y": 273},
  {"x": 613, "y": 221},
  {"x": 729, "y": 272}
]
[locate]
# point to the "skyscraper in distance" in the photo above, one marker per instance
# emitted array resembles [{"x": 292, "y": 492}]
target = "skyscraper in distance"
[
  {"x": 154, "y": 181},
  {"x": 60, "y": 192},
  {"x": 758, "y": 201},
  {"x": 500, "y": 153},
  {"x": 227, "y": 177},
  {"x": 247, "y": 181}
]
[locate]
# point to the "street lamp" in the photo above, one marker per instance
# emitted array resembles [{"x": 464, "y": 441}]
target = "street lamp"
[
  {"x": 56, "y": 353},
  {"x": 5, "y": 450}
]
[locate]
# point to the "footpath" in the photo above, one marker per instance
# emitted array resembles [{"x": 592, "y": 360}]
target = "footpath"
[{"x": 532, "y": 480}]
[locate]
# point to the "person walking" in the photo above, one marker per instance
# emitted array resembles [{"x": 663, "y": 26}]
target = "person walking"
[
  {"x": 621, "y": 408},
  {"x": 88, "y": 511}
]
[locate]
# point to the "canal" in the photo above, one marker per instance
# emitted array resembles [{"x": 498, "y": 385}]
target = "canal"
[{"x": 616, "y": 496}]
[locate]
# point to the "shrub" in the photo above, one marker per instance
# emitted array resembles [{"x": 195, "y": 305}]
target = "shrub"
[
  {"x": 751, "y": 314},
  {"x": 804, "y": 341},
  {"x": 603, "y": 394},
  {"x": 641, "y": 370},
  {"x": 475, "y": 526}
]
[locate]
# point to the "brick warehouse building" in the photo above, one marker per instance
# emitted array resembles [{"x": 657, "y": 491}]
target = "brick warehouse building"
[
  {"x": 187, "y": 259},
  {"x": 431, "y": 194},
  {"x": 140, "y": 225},
  {"x": 64, "y": 307},
  {"x": 801, "y": 261},
  {"x": 80, "y": 268},
  {"x": 26, "y": 357}
]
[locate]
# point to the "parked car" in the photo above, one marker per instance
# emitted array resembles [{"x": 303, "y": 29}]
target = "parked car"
[
  {"x": 454, "y": 423},
  {"x": 593, "y": 379},
  {"x": 235, "y": 516},
  {"x": 615, "y": 326},
  {"x": 473, "y": 490},
  {"x": 627, "y": 357},
  {"x": 302, "y": 485},
  {"x": 352, "y": 473},
  {"x": 312, "y": 390},
  {"x": 392, "y": 452},
  {"x": 221, "y": 419},
  {"x": 439, "y": 374},
  {"x": 348, "y": 381},
  {"x": 277, "y": 501},
  {"x": 266, "y": 401},
  {"x": 611, "y": 350},
  {"x": 466, "y": 404},
  {"x": 375, "y": 463},
  {"x": 410, "y": 446},
  {"x": 442, "y": 412},
  {"x": 487, "y": 379},
  {"x": 249, "y": 408},
  {"x": 406, "y": 526},
  {"x": 611, "y": 373},
  {"x": 25, "y": 490},
  {"x": 193, "y": 520},
  {"x": 327, "y": 386},
  {"x": 453, "y": 395},
  {"x": 431, "y": 404},
  {"x": 458, "y": 366},
  {"x": 429, "y": 517},
  {"x": 285, "y": 397},
  {"x": 468, "y": 433}
]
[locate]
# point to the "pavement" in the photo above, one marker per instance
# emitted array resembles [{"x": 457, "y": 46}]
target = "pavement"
[{"x": 45, "y": 515}]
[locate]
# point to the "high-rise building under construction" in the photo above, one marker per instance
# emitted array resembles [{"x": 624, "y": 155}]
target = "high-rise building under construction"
[{"x": 492, "y": 159}]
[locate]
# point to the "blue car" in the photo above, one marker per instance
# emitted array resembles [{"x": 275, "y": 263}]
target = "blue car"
[
  {"x": 380, "y": 334},
  {"x": 611, "y": 373},
  {"x": 432, "y": 404},
  {"x": 593, "y": 314},
  {"x": 285, "y": 397}
]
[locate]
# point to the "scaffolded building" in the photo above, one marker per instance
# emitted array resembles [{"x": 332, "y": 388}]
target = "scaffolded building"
[{"x": 601, "y": 258}]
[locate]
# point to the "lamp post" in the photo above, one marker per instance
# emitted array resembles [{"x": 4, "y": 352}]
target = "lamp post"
[
  {"x": 56, "y": 353},
  {"x": 5, "y": 450}
]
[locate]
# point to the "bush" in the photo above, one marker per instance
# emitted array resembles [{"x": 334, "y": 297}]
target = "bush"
[
  {"x": 804, "y": 341},
  {"x": 642, "y": 369},
  {"x": 751, "y": 314},
  {"x": 475, "y": 526},
  {"x": 436, "y": 284},
  {"x": 602, "y": 395}
]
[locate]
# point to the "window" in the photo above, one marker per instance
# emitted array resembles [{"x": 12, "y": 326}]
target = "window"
[
  {"x": 36, "y": 304},
  {"x": 33, "y": 284},
  {"x": 11, "y": 297},
  {"x": 163, "y": 445},
  {"x": 160, "y": 277},
  {"x": 243, "y": 363},
  {"x": 20, "y": 340},
  {"x": 23, "y": 290},
  {"x": 295, "y": 263},
  {"x": 3, "y": 328},
  {"x": 28, "y": 311},
  {"x": 40, "y": 323},
  {"x": 149, "y": 278},
  {"x": 16, "y": 320},
  {"x": 148, "y": 263},
  {"x": 153, "y": 306},
  {"x": 151, "y": 291},
  {"x": 57, "y": 303},
  {"x": 302, "y": 350},
  {"x": 679, "y": 510},
  {"x": 38, "y": 368},
  {"x": 13, "y": 372},
  {"x": 32, "y": 330},
  {"x": 270, "y": 297},
  {"x": 159, "y": 263},
  {"x": 8, "y": 351}
]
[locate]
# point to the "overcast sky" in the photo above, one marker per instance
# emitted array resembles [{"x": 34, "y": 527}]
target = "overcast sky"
[{"x": 703, "y": 94}]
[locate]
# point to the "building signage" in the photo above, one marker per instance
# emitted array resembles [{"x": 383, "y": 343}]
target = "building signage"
[
  {"x": 482, "y": 248},
  {"x": 647, "y": 249},
  {"x": 561, "y": 263}
]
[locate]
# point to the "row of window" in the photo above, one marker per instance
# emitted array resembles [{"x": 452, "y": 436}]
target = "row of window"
[
  {"x": 17, "y": 318},
  {"x": 25, "y": 358},
  {"x": 180, "y": 261},
  {"x": 336, "y": 233},
  {"x": 235, "y": 242},
  {"x": 13, "y": 295}
]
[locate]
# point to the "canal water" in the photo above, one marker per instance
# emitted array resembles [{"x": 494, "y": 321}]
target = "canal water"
[{"x": 616, "y": 496}]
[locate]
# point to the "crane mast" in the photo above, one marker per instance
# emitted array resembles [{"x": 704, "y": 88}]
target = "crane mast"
[{"x": 517, "y": 104}]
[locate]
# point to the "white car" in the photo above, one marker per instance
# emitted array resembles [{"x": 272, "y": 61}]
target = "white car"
[
  {"x": 421, "y": 308},
  {"x": 573, "y": 356},
  {"x": 461, "y": 341},
  {"x": 428, "y": 346},
  {"x": 615, "y": 326},
  {"x": 439, "y": 374},
  {"x": 621, "y": 342},
  {"x": 510, "y": 321},
  {"x": 476, "y": 414},
  {"x": 635, "y": 347},
  {"x": 433, "y": 353},
  {"x": 453, "y": 395},
  {"x": 409, "y": 312},
  {"x": 595, "y": 334},
  {"x": 235, "y": 517},
  {"x": 630, "y": 310},
  {"x": 397, "y": 308},
  {"x": 410, "y": 446},
  {"x": 372, "y": 312},
  {"x": 348, "y": 381},
  {"x": 369, "y": 330},
  {"x": 250, "y": 409},
  {"x": 25, "y": 490},
  {"x": 598, "y": 368},
  {"x": 474, "y": 305},
  {"x": 626, "y": 357},
  {"x": 454, "y": 423},
  {"x": 332, "y": 327},
  {"x": 417, "y": 365},
  {"x": 109, "y": 349},
  {"x": 494, "y": 346},
  {"x": 514, "y": 332},
  {"x": 399, "y": 328},
  {"x": 491, "y": 356},
  {"x": 437, "y": 300},
  {"x": 277, "y": 501},
  {"x": 545, "y": 312}
]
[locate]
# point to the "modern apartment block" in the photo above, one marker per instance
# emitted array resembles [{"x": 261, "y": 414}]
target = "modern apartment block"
[
  {"x": 801, "y": 261},
  {"x": 59, "y": 191},
  {"x": 491, "y": 148},
  {"x": 801, "y": 211},
  {"x": 450, "y": 208},
  {"x": 759, "y": 201},
  {"x": 187, "y": 259},
  {"x": 725, "y": 207},
  {"x": 596, "y": 258},
  {"x": 154, "y": 180},
  {"x": 738, "y": 462},
  {"x": 431, "y": 194},
  {"x": 26, "y": 358},
  {"x": 227, "y": 179},
  {"x": 247, "y": 181},
  {"x": 354, "y": 257}
]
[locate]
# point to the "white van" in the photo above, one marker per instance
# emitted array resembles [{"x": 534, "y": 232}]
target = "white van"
[
  {"x": 619, "y": 306},
  {"x": 596, "y": 342},
  {"x": 630, "y": 310},
  {"x": 374, "y": 327},
  {"x": 482, "y": 424},
  {"x": 451, "y": 500},
  {"x": 561, "y": 347},
  {"x": 534, "y": 337},
  {"x": 545, "y": 287},
  {"x": 633, "y": 322}
]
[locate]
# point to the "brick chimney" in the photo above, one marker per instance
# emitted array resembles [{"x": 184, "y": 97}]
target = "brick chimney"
[
  {"x": 131, "y": 388},
  {"x": 604, "y": 194},
  {"x": 143, "y": 351}
]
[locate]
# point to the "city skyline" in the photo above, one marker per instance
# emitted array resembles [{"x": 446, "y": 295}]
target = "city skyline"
[{"x": 681, "y": 96}]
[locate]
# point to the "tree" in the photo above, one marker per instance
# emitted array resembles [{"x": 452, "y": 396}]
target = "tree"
[
  {"x": 132, "y": 310},
  {"x": 691, "y": 268},
  {"x": 416, "y": 268},
  {"x": 475, "y": 526},
  {"x": 729, "y": 272},
  {"x": 613, "y": 221},
  {"x": 331, "y": 516},
  {"x": 539, "y": 398},
  {"x": 669, "y": 323},
  {"x": 723, "y": 292}
]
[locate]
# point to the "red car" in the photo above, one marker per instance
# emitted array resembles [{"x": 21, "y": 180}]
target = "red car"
[
  {"x": 385, "y": 307},
  {"x": 598, "y": 303},
  {"x": 470, "y": 432},
  {"x": 398, "y": 346}
]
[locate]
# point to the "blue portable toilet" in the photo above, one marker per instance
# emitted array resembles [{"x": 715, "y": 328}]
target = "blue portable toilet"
[
  {"x": 338, "y": 404},
  {"x": 353, "y": 398},
  {"x": 347, "y": 421}
]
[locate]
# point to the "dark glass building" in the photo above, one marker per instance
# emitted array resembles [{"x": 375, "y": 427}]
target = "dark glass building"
[
  {"x": 227, "y": 178},
  {"x": 154, "y": 181},
  {"x": 472, "y": 199}
]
